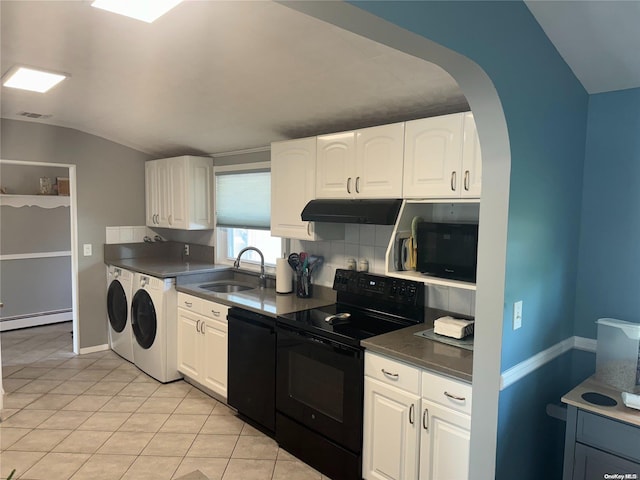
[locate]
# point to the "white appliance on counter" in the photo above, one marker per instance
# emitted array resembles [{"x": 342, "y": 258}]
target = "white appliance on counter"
[
  {"x": 154, "y": 326},
  {"x": 119, "y": 292}
]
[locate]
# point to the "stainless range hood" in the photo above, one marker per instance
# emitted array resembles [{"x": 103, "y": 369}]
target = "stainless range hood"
[{"x": 377, "y": 212}]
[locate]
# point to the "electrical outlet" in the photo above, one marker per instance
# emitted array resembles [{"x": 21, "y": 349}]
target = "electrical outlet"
[
  {"x": 87, "y": 249},
  {"x": 517, "y": 315},
  {"x": 186, "y": 249}
]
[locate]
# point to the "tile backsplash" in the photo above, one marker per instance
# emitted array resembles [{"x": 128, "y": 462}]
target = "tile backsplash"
[
  {"x": 127, "y": 234},
  {"x": 370, "y": 242}
]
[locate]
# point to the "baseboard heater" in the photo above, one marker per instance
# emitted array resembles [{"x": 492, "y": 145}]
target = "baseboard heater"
[{"x": 35, "y": 319}]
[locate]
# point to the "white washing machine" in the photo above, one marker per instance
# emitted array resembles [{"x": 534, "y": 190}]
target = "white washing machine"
[
  {"x": 119, "y": 290},
  {"x": 154, "y": 324}
]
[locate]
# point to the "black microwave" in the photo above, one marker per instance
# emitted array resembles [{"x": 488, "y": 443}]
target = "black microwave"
[{"x": 448, "y": 250}]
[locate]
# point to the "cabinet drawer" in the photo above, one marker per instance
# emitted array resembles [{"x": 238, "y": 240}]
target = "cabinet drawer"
[
  {"x": 392, "y": 372},
  {"x": 609, "y": 435},
  {"x": 447, "y": 391},
  {"x": 216, "y": 311},
  {"x": 189, "y": 302}
]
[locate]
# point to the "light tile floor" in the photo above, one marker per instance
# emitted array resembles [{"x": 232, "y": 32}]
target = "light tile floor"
[{"x": 97, "y": 417}]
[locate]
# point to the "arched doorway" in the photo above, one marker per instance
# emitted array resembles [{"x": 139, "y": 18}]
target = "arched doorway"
[{"x": 490, "y": 120}]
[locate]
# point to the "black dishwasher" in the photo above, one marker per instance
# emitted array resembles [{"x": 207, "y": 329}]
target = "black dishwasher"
[{"x": 252, "y": 366}]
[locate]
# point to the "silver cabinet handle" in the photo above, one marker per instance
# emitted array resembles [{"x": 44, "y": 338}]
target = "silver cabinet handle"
[
  {"x": 455, "y": 397},
  {"x": 389, "y": 374},
  {"x": 411, "y": 409},
  {"x": 453, "y": 181},
  {"x": 170, "y": 218},
  {"x": 197, "y": 325},
  {"x": 466, "y": 180},
  {"x": 215, "y": 313},
  {"x": 349, "y": 185},
  {"x": 425, "y": 419},
  {"x": 357, "y": 184},
  {"x": 188, "y": 304},
  {"x": 202, "y": 328},
  {"x": 308, "y": 229}
]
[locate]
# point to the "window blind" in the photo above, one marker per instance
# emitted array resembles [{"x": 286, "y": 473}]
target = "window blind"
[{"x": 243, "y": 199}]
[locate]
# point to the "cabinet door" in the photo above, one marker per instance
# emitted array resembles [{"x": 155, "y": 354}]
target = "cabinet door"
[
  {"x": 335, "y": 170},
  {"x": 379, "y": 161},
  {"x": 199, "y": 185},
  {"x": 177, "y": 194},
  {"x": 293, "y": 184},
  {"x": 593, "y": 464},
  {"x": 164, "y": 189},
  {"x": 214, "y": 371},
  {"x": 471, "y": 159},
  {"x": 189, "y": 341},
  {"x": 390, "y": 432},
  {"x": 152, "y": 199},
  {"x": 433, "y": 156},
  {"x": 444, "y": 443}
]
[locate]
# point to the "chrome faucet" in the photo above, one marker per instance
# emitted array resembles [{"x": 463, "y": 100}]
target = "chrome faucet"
[{"x": 263, "y": 278}]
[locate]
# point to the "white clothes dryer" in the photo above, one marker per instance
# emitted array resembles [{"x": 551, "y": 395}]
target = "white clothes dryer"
[
  {"x": 154, "y": 325},
  {"x": 119, "y": 290}
]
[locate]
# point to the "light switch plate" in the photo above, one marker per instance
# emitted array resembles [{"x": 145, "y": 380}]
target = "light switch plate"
[
  {"x": 87, "y": 249},
  {"x": 517, "y": 315}
]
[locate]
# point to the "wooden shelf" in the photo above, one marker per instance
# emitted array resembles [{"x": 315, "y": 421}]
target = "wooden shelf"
[{"x": 43, "y": 201}]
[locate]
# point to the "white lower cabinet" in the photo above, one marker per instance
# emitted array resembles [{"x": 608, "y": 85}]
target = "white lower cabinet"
[
  {"x": 202, "y": 342},
  {"x": 416, "y": 423}
]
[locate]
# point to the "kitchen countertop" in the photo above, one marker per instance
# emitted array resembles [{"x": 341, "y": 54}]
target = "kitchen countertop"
[
  {"x": 165, "y": 268},
  {"x": 263, "y": 300},
  {"x": 618, "y": 412},
  {"x": 422, "y": 352}
]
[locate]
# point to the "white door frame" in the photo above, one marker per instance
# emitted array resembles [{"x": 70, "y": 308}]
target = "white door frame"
[{"x": 74, "y": 245}]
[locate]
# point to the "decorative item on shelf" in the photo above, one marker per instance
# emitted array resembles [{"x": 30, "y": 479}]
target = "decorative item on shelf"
[
  {"x": 46, "y": 186},
  {"x": 63, "y": 185},
  {"x": 413, "y": 243}
]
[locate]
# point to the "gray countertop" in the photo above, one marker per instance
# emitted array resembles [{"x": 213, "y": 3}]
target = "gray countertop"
[
  {"x": 263, "y": 300},
  {"x": 165, "y": 268},
  {"x": 422, "y": 352}
]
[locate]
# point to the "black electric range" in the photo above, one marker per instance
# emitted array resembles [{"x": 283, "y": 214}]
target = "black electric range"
[{"x": 320, "y": 367}]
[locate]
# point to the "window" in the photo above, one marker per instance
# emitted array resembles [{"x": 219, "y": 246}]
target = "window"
[{"x": 243, "y": 214}]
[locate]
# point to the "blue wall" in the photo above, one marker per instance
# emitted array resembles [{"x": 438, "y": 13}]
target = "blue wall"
[
  {"x": 546, "y": 112},
  {"x": 609, "y": 262}
]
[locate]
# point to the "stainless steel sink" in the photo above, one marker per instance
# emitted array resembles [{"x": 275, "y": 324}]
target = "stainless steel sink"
[{"x": 226, "y": 287}]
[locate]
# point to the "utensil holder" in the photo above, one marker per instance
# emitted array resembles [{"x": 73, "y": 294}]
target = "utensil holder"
[{"x": 303, "y": 284}]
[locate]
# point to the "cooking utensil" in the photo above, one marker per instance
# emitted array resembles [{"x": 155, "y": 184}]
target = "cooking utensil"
[{"x": 294, "y": 262}]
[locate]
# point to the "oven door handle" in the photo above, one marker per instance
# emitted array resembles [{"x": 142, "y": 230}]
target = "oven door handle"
[{"x": 286, "y": 330}]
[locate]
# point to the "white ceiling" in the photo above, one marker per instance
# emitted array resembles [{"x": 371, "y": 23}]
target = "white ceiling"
[
  {"x": 599, "y": 40},
  {"x": 220, "y": 76},
  {"x": 211, "y": 76}
]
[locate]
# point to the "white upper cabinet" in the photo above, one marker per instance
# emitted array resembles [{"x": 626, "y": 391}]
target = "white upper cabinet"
[
  {"x": 293, "y": 184},
  {"x": 365, "y": 163},
  {"x": 379, "y": 161},
  {"x": 442, "y": 157},
  {"x": 179, "y": 193},
  {"x": 335, "y": 170},
  {"x": 471, "y": 159}
]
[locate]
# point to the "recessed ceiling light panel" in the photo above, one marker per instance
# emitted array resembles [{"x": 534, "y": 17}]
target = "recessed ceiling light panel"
[
  {"x": 31, "y": 79},
  {"x": 145, "y": 10}
]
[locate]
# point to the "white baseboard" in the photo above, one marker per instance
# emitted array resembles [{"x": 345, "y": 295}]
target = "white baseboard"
[
  {"x": 95, "y": 348},
  {"x": 522, "y": 369},
  {"x": 35, "y": 320}
]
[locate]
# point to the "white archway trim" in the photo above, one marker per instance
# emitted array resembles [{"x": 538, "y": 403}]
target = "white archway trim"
[
  {"x": 73, "y": 195},
  {"x": 496, "y": 168}
]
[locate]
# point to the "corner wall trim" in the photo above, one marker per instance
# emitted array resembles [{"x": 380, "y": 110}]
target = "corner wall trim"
[
  {"x": 522, "y": 369},
  {"x": 95, "y": 348}
]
